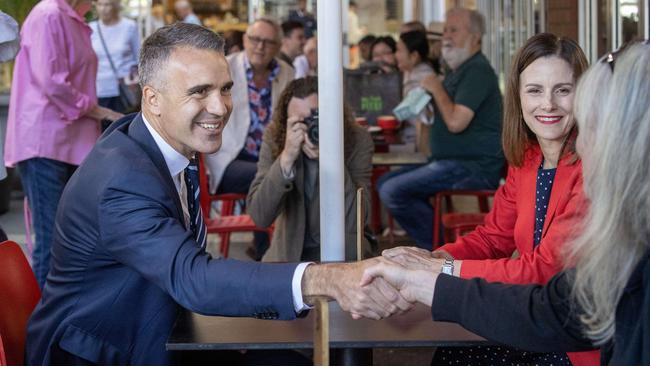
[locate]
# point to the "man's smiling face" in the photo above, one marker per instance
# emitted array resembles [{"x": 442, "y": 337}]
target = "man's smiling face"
[{"x": 194, "y": 100}]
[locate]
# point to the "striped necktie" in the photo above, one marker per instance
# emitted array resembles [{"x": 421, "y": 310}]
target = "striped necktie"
[{"x": 193, "y": 193}]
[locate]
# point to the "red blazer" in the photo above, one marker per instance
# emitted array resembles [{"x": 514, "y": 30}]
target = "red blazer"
[{"x": 486, "y": 252}]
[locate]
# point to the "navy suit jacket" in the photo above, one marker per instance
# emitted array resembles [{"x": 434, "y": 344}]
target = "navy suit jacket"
[{"x": 123, "y": 261}]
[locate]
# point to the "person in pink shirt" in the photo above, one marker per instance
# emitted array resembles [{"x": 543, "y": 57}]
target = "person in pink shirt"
[{"x": 53, "y": 117}]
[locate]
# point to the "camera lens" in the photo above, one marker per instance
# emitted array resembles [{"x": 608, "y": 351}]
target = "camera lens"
[
  {"x": 312, "y": 133},
  {"x": 312, "y": 126}
]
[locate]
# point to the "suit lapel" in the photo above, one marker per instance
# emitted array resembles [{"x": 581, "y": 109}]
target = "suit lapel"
[{"x": 139, "y": 132}]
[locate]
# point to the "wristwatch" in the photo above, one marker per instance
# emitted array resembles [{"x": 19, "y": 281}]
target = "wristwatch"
[{"x": 448, "y": 267}]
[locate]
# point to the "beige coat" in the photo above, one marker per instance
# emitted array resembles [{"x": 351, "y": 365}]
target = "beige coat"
[
  {"x": 235, "y": 132},
  {"x": 273, "y": 198}
]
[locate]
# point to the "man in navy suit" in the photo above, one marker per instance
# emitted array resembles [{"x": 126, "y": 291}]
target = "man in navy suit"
[{"x": 126, "y": 256}]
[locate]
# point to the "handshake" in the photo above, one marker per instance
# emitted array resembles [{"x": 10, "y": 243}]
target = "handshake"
[{"x": 379, "y": 287}]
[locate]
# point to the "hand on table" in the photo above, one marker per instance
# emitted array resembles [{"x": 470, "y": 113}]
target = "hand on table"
[
  {"x": 413, "y": 284},
  {"x": 342, "y": 282}
]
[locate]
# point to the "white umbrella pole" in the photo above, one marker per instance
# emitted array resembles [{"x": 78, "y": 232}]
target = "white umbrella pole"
[{"x": 330, "y": 100}]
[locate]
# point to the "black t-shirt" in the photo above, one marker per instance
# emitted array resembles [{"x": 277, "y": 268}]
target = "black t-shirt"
[{"x": 474, "y": 85}]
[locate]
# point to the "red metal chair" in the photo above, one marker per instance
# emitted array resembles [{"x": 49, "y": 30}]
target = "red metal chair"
[
  {"x": 458, "y": 224},
  {"x": 3, "y": 361},
  {"x": 454, "y": 223},
  {"x": 19, "y": 295},
  {"x": 225, "y": 223}
]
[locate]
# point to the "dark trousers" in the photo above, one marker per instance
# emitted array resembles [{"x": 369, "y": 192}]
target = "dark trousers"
[
  {"x": 43, "y": 182},
  {"x": 406, "y": 194},
  {"x": 237, "y": 178}
]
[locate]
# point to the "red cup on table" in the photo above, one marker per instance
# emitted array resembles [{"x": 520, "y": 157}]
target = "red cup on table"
[
  {"x": 389, "y": 125},
  {"x": 362, "y": 121}
]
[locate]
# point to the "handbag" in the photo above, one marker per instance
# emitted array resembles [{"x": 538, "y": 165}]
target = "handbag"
[
  {"x": 372, "y": 93},
  {"x": 130, "y": 92}
]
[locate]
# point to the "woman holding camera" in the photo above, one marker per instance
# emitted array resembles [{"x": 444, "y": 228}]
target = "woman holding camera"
[{"x": 286, "y": 189}]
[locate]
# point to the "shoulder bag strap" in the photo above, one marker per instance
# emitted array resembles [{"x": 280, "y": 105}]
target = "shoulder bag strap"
[{"x": 108, "y": 54}]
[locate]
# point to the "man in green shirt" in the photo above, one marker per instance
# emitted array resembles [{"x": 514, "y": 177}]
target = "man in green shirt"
[{"x": 465, "y": 136}]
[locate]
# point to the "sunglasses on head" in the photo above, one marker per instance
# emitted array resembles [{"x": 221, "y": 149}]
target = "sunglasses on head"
[{"x": 610, "y": 59}]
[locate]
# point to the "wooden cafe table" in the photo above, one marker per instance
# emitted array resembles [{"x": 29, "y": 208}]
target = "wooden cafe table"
[{"x": 193, "y": 332}]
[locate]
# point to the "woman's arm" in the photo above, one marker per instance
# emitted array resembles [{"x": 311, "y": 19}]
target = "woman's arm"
[
  {"x": 52, "y": 68},
  {"x": 533, "y": 317}
]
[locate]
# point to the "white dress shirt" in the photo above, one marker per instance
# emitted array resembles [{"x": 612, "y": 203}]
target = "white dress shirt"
[{"x": 176, "y": 163}]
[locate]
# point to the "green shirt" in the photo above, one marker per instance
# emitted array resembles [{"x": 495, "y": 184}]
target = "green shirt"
[{"x": 474, "y": 85}]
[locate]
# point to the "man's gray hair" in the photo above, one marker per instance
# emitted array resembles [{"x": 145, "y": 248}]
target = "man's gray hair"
[
  {"x": 158, "y": 46},
  {"x": 476, "y": 19},
  {"x": 272, "y": 22}
]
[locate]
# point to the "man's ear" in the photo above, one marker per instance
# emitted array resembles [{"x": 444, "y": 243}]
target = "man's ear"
[
  {"x": 151, "y": 99},
  {"x": 477, "y": 38}
]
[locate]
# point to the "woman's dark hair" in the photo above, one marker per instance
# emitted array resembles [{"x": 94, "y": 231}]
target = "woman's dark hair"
[
  {"x": 387, "y": 40},
  {"x": 416, "y": 41},
  {"x": 516, "y": 136},
  {"x": 298, "y": 88},
  {"x": 233, "y": 38}
]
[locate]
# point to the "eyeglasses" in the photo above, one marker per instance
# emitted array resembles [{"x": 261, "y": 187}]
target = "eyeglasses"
[{"x": 255, "y": 41}]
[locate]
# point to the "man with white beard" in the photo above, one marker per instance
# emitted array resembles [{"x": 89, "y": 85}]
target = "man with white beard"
[{"x": 465, "y": 136}]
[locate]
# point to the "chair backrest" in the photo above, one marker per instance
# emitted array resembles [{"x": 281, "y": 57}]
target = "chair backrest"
[
  {"x": 228, "y": 200},
  {"x": 3, "y": 361},
  {"x": 19, "y": 294}
]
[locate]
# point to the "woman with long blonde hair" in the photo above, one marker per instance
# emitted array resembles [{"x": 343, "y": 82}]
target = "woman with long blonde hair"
[{"x": 605, "y": 301}]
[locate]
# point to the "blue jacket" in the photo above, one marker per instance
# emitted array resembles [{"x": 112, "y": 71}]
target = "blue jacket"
[{"x": 123, "y": 263}]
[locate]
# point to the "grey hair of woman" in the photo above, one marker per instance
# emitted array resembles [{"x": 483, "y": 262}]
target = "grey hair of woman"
[{"x": 611, "y": 109}]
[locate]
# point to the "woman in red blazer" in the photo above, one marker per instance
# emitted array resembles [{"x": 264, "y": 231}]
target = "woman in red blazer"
[{"x": 537, "y": 210}]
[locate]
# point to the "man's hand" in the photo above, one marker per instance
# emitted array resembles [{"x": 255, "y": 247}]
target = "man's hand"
[
  {"x": 100, "y": 113},
  {"x": 431, "y": 83},
  {"x": 295, "y": 136},
  {"x": 455, "y": 116},
  {"x": 413, "y": 284},
  {"x": 417, "y": 258},
  {"x": 341, "y": 282},
  {"x": 414, "y": 258},
  {"x": 441, "y": 254}
]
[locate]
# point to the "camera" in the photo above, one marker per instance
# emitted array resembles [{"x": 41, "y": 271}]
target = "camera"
[{"x": 312, "y": 126}]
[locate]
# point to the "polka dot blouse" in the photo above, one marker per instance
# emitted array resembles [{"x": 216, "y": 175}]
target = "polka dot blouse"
[{"x": 544, "y": 184}]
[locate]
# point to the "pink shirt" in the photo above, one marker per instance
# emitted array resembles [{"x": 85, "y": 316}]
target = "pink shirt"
[{"x": 53, "y": 88}]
